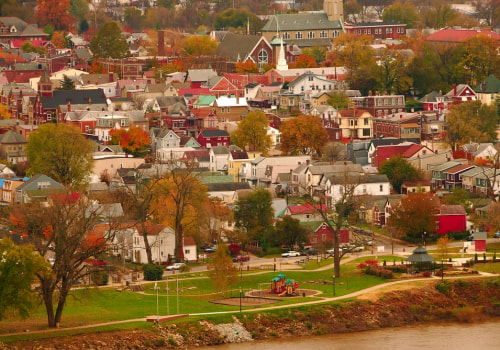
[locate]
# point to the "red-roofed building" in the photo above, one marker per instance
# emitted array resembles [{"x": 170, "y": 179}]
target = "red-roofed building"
[
  {"x": 452, "y": 176},
  {"x": 461, "y": 93},
  {"x": 193, "y": 91},
  {"x": 382, "y": 153},
  {"x": 451, "y": 218},
  {"x": 213, "y": 137},
  {"x": 305, "y": 212},
  {"x": 455, "y": 36},
  {"x": 225, "y": 87}
]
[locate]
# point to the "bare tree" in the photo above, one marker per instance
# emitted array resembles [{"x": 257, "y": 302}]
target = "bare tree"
[
  {"x": 334, "y": 151},
  {"x": 66, "y": 224}
]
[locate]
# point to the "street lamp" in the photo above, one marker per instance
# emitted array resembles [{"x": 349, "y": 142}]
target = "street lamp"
[{"x": 240, "y": 299}]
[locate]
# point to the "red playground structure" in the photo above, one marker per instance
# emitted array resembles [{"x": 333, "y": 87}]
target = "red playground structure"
[{"x": 283, "y": 287}]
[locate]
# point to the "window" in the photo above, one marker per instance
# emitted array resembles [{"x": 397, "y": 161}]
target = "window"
[
  {"x": 310, "y": 35},
  {"x": 369, "y": 31},
  {"x": 222, "y": 110},
  {"x": 262, "y": 58},
  {"x": 298, "y": 35},
  {"x": 186, "y": 251},
  {"x": 381, "y": 188},
  {"x": 286, "y": 36},
  {"x": 366, "y": 121},
  {"x": 228, "y": 109},
  {"x": 323, "y": 34}
]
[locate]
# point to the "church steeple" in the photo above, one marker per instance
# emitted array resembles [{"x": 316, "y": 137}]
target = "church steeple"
[
  {"x": 45, "y": 86},
  {"x": 334, "y": 9}
]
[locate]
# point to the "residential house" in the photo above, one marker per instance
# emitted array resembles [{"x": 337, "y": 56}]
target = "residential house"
[
  {"x": 6, "y": 172},
  {"x": 406, "y": 150},
  {"x": 380, "y": 105},
  {"x": 221, "y": 86},
  {"x": 226, "y": 191},
  {"x": 13, "y": 147},
  {"x": 355, "y": 124},
  {"x": 312, "y": 82},
  {"x": 438, "y": 175},
  {"x": 372, "y": 145},
  {"x": 373, "y": 185},
  {"x": 213, "y": 137},
  {"x": 422, "y": 186},
  {"x": 83, "y": 116},
  {"x": 107, "y": 122},
  {"x": 481, "y": 152},
  {"x": 461, "y": 93},
  {"x": 219, "y": 158},
  {"x": 436, "y": 101},
  {"x": 189, "y": 141},
  {"x": 488, "y": 90},
  {"x": 238, "y": 164},
  {"x": 453, "y": 176},
  {"x": 38, "y": 186},
  {"x": 400, "y": 125},
  {"x": 326, "y": 113},
  {"x": 306, "y": 212},
  {"x": 457, "y": 35},
  {"x": 469, "y": 178},
  {"x": 427, "y": 161},
  {"x": 198, "y": 77},
  {"x": 262, "y": 172},
  {"x": 9, "y": 189},
  {"x": 164, "y": 138},
  {"x": 451, "y": 218},
  {"x": 200, "y": 156},
  {"x": 230, "y": 109}
]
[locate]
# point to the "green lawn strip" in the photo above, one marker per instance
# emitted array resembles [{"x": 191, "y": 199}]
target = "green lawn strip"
[
  {"x": 488, "y": 267},
  {"x": 89, "y": 306}
]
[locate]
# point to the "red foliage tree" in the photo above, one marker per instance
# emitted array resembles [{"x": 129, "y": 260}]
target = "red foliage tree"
[
  {"x": 133, "y": 141},
  {"x": 304, "y": 61},
  {"x": 246, "y": 67}
]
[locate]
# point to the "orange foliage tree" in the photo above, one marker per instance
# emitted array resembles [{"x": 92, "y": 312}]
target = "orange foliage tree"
[
  {"x": 246, "y": 67},
  {"x": 303, "y": 135},
  {"x": 54, "y": 12},
  {"x": 133, "y": 141},
  {"x": 415, "y": 216},
  {"x": 304, "y": 61},
  {"x": 180, "y": 200},
  {"x": 97, "y": 67},
  {"x": 198, "y": 45},
  {"x": 58, "y": 40}
]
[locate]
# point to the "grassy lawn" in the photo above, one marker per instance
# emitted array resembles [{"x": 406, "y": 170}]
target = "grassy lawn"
[{"x": 489, "y": 267}]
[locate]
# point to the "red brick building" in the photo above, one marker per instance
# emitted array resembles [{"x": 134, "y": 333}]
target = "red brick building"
[{"x": 379, "y": 30}]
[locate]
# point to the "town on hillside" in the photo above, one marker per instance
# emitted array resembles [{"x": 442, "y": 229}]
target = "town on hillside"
[{"x": 195, "y": 136}]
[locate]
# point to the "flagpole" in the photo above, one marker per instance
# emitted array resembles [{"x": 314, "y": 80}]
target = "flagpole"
[
  {"x": 156, "y": 287},
  {"x": 168, "y": 309},
  {"x": 177, "y": 295}
]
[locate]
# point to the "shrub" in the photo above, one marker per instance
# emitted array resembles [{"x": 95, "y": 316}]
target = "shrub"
[
  {"x": 484, "y": 257},
  {"x": 385, "y": 263},
  {"x": 99, "y": 277},
  {"x": 362, "y": 266},
  {"x": 495, "y": 256},
  {"x": 426, "y": 274},
  {"x": 371, "y": 262},
  {"x": 152, "y": 272},
  {"x": 475, "y": 258},
  {"x": 234, "y": 249},
  {"x": 443, "y": 287},
  {"x": 185, "y": 268}
]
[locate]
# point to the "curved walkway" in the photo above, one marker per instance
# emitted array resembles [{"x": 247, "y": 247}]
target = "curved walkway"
[{"x": 314, "y": 302}]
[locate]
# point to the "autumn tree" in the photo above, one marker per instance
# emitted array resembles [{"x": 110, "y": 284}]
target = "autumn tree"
[
  {"x": 251, "y": 132},
  {"x": 237, "y": 18},
  {"x": 109, "y": 42},
  {"x": 303, "y": 135},
  {"x": 223, "y": 272},
  {"x": 304, "y": 61},
  {"x": 133, "y": 141},
  {"x": 352, "y": 51},
  {"x": 61, "y": 152},
  {"x": 471, "y": 121},
  {"x": 58, "y": 40},
  {"x": 338, "y": 100},
  {"x": 488, "y": 10},
  {"x": 401, "y": 12},
  {"x": 4, "y": 112},
  {"x": 67, "y": 222},
  {"x": 28, "y": 46},
  {"x": 55, "y": 12},
  {"x": 133, "y": 18},
  {"x": 493, "y": 217},
  {"x": 289, "y": 232},
  {"x": 215, "y": 216},
  {"x": 437, "y": 14},
  {"x": 246, "y": 67},
  {"x": 459, "y": 196},
  {"x": 198, "y": 45},
  {"x": 79, "y": 9},
  {"x": 97, "y": 67},
  {"x": 18, "y": 267},
  {"x": 317, "y": 52},
  {"x": 180, "y": 198},
  {"x": 253, "y": 216},
  {"x": 399, "y": 170},
  {"x": 415, "y": 216},
  {"x": 391, "y": 73}
]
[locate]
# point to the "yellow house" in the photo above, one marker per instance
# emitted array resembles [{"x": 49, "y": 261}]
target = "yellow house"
[{"x": 355, "y": 124}]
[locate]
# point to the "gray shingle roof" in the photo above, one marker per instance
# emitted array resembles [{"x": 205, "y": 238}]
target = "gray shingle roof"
[
  {"x": 237, "y": 45},
  {"x": 301, "y": 21}
]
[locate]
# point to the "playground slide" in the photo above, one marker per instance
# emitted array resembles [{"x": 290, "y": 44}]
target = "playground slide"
[{"x": 282, "y": 294}]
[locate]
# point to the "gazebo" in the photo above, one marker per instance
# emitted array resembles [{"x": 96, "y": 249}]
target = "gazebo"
[{"x": 420, "y": 260}]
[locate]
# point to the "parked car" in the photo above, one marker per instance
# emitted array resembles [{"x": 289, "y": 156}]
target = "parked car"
[
  {"x": 330, "y": 251},
  {"x": 290, "y": 253},
  {"x": 241, "y": 258},
  {"x": 176, "y": 266},
  {"x": 496, "y": 235},
  {"x": 211, "y": 249}
]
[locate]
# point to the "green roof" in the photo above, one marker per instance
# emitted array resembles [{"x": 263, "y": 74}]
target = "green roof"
[
  {"x": 210, "y": 179},
  {"x": 489, "y": 85},
  {"x": 204, "y": 100}
]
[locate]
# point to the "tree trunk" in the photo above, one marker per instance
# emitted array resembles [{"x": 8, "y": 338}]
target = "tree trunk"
[
  {"x": 60, "y": 304},
  {"x": 47, "y": 294},
  {"x": 146, "y": 243}
]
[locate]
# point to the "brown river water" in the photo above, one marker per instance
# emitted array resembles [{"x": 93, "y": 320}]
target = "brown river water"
[{"x": 477, "y": 336}]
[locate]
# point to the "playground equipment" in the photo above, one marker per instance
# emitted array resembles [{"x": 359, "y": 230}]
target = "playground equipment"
[{"x": 282, "y": 286}]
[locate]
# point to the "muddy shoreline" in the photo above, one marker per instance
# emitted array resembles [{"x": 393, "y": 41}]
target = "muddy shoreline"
[{"x": 457, "y": 301}]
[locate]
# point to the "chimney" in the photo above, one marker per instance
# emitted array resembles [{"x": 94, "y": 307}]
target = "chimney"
[
  {"x": 370, "y": 93},
  {"x": 454, "y": 89},
  {"x": 69, "y": 106},
  {"x": 308, "y": 161},
  {"x": 376, "y": 93},
  {"x": 111, "y": 77}
]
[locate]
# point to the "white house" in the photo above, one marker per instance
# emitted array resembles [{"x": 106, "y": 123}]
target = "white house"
[
  {"x": 219, "y": 158},
  {"x": 375, "y": 185},
  {"x": 311, "y": 82},
  {"x": 129, "y": 242}
]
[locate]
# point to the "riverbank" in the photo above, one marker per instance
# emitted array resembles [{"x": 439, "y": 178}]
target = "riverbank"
[{"x": 452, "y": 301}]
